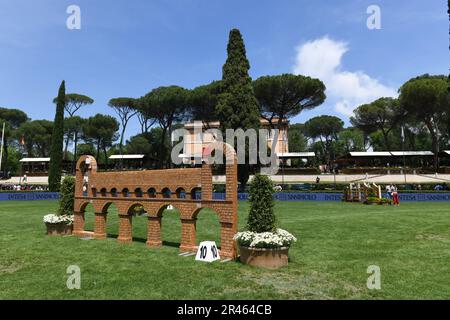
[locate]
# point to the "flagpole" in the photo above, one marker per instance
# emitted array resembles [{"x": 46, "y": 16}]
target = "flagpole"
[
  {"x": 1, "y": 148},
  {"x": 403, "y": 151}
]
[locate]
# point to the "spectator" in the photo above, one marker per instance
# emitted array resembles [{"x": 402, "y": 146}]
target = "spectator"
[
  {"x": 395, "y": 195},
  {"x": 278, "y": 188},
  {"x": 389, "y": 192},
  {"x": 438, "y": 187}
]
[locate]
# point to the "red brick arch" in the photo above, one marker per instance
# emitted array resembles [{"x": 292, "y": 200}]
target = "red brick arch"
[{"x": 173, "y": 179}]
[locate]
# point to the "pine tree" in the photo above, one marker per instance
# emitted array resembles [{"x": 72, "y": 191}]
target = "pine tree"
[
  {"x": 56, "y": 151},
  {"x": 237, "y": 107}
]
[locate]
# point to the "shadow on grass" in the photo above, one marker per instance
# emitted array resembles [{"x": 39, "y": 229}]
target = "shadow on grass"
[
  {"x": 171, "y": 244},
  {"x": 142, "y": 240}
]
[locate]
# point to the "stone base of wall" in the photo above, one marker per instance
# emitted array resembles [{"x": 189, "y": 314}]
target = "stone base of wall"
[
  {"x": 184, "y": 249},
  {"x": 154, "y": 244},
  {"x": 84, "y": 234}
]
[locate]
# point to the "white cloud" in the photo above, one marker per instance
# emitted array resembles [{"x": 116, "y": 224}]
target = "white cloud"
[{"x": 322, "y": 58}]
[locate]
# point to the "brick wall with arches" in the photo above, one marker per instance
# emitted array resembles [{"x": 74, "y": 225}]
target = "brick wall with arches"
[{"x": 155, "y": 190}]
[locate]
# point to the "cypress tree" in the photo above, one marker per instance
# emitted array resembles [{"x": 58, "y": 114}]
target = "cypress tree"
[
  {"x": 56, "y": 151},
  {"x": 237, "y": 106},
  {"x": 67, "y": 196},
  {"x": 261, "y": 217}
]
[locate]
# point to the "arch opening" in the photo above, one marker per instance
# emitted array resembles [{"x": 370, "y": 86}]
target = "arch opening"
[
  {"x": 166, "y": 193},
  {"x": 138, "y": 193},
  {"x": 181, "y": 193},
  {"x": 89, "y": 219},
  {"x": 114, "y": 192},
  {"x": 196, "y": 193},
  {"x": 151, "y": 193},
  {"x": 170, "y": 226},
  {"x": 208, "y": 226},
  {"x": 139, "y": 223},
  {"x": 112, "y": 220}
]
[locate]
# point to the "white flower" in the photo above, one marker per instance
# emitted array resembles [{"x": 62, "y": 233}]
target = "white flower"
[
  {"x": 54, "y": 219},
  {"x": 278, "y": 239}
]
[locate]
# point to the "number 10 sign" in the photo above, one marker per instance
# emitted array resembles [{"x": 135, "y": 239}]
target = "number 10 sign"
[{"x": 207, "y": 252}]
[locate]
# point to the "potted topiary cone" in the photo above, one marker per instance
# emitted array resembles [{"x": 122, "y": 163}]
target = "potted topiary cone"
[
  {"x": 61, "y": 223},
  {"x": 263, "y": 244}
]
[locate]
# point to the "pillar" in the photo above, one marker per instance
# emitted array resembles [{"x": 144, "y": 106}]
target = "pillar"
[
  {"x": 100, "y": 226},
  {"x": 231, "y": 186},
  {"x": 78, "y": 224},
  {"x": 154, "y": 232},
  {"x": 207, "y": 185},
  {"x": 125, "y": 231},
  {"x": 188, "y": 235},
  {"x": 227, "y": 232}
]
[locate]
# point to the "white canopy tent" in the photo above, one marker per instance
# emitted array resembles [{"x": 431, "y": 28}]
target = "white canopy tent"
[
  {"x": 35, "y": 160},
  {"x": 292, "y": 155},
  {"x": 127, "y": 157}
]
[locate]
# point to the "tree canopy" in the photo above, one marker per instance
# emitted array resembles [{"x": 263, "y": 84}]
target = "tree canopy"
[
  {"x": 297, "y": 140},
  {"x": 125, "y": 108},
  {"x": 75, "y": 102},
  {"x": 168, "y": 105},
  {"x": 203, "y": 101},
  {"x": 426, "y": 98},
  {"x": 12, "y": 118},
  {"x": 36, "y": 137},
  {"x": 101, "y": 131},
  {"x": 383, "y": 114},
  {"x": 287, "y": 95},
  {"x": 326, "y": 130},
  {"x": 350, "y": 140}
]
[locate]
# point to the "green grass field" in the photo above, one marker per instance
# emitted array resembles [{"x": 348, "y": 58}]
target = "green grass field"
[{"x": 337, "y": 243}]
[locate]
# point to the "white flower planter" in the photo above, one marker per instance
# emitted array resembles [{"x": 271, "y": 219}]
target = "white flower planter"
[
  {"x": 268, "y": 250},
  {"x": 58, "y": 225},
  {"x": 59, "y": 229},
  {"x": 264, "y": 258}
]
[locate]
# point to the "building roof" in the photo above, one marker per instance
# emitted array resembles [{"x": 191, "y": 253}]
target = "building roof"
[
  {"x": 127, "y": 156},
  {"x": 35, "y": 160},
  {"x": 216, "y": 124},
  {"x": 371, "y": 154},
  {"x": 291, "y": 155},
  {"x": 202, "y": 124},
  {"x": 412, "y": 153},
  {"x": 391, "y": 154}
]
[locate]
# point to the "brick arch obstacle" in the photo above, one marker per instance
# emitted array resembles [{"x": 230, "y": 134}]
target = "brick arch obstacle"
[{"x": 90, "y": 183}]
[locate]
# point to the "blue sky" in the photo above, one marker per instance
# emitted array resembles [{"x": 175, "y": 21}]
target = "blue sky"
[{"x": 129, "y": 47}]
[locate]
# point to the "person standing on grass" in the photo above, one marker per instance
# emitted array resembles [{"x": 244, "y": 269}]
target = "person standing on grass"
[
  {"x": 389, "y": 191},
  {"x": 395, "y": 195}
]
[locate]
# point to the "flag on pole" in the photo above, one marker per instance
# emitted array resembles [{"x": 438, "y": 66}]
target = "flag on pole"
[
  {"x": 403, "y": 134},
  {"x": 1, "y": 146}
]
